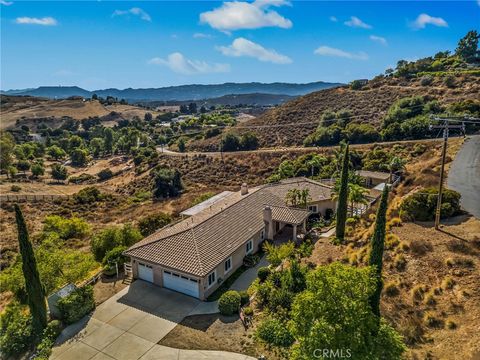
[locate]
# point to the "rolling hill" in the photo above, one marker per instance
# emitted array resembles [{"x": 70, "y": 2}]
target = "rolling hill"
[
  {"x": 179, "y": 93},
  {"x": 296, "y": 119}
]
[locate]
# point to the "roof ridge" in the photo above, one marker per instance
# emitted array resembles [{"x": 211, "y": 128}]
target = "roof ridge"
[
  {"x": 189, "y": 227},
  {"x": 200, "y": 264}
]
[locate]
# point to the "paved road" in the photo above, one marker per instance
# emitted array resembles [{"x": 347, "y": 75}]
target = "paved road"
[
  {"x": 464, "y": 175},
  {"x": 168, "y": 152},
  {"x": 129, "y": 325}
]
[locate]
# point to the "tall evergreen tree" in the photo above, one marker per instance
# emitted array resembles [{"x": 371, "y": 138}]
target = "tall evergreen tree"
[
  {"x": 342, "y": 197},
  {"x": 377, "y": 244},
  {"x": 33, "y": 286}
]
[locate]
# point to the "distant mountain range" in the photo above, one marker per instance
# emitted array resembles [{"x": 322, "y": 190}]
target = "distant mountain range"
[{"x": 179, "y": 93}]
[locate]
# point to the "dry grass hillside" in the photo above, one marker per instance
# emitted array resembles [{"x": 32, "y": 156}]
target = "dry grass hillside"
[
  {"x": 32, "y": 110},
  {"x": 431, "y": 292},
  {"x": 368, "y": 105}
]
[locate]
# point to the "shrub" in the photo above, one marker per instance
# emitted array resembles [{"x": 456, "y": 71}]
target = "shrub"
[
  {"x": 248, "y": 311},
  {"x": 15, "y": 188},
  {"x": 50, "y": 334},
  {"x": 431, "y": 320},
  {"x": 391, "y": 289},
  {"x": 451, "y": 324},
  {"x": 229, "y": 302},
  {"x": 151, "y": 223},
  {"x": 417, "y": 292},
  {"x": 115, "y": 256},
  {"x": 449, "y": 81},
  {"x": 421, "y": 205},
  {"x": 280, "y": 298},
  {"x": 77, "y": 304},
  {"x": 391, "y": 241},
  {"x": 426, "y": 80},
  {"x": 400, "y": 262},
  {"x": 15, "y": 330},
  {"x": 111, "y": 237},
  {"x": 105, "y": 174},
  {"x": 448, "y": 283},
  {"x": 274, "y": 332},
  {"x": 263, "y": 273},
  {"x": 412, "y": 330},
  {"x": 88, "y": 195},
  {"x": 66, "y": 228},
  {"x": 430, "y": 299},
  {"x": 244, "y": 297}
]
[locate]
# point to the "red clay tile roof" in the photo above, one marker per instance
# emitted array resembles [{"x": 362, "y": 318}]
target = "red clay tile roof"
[{"x": 199, "y": 243}]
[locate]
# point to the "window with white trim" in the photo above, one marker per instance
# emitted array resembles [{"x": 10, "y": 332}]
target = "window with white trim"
[
  {"x": 313, "y": 208},
  {"x": 249, "y": 246},
  {"x": 228, "y": 265},
  {"x": 211, "y": 278}
]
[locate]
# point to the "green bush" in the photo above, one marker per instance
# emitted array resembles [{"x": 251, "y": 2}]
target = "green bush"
[
  {"x": 105, "y": 174},
  {"x": 151, "y": 223},
  {"x": 77, "y": 304},
  {"x": 248, "y": 311},
  {"x": 50, "y": 334},
  {"x": 88, "y": 195},
  {"x": 15, "y": 188},
  {"x": 421, "y": 206},
  {"x": 66, "y": 228},
  {"x": 274, "y": 332},
  {"x": 229, "y": 302},
  {"x": 244, "y": 297},
  {"x": 115, "y": 256},
  {"x": 112, "y": 237},
  {"x": 15, "y": 330},
  {"x": 263, "y": 273}
]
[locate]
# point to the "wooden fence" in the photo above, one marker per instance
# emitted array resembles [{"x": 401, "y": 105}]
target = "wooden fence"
[{"x": 31, "y": 197}]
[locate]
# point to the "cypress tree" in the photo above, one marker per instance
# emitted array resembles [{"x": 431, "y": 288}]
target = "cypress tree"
[
  {"x": 342, "y": 198},
  {"x": 33, "y": 286},
  {"x": 376, "y": 252}
]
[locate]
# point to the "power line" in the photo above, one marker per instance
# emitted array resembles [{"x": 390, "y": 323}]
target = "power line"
[{"x": 445, "y": 126}]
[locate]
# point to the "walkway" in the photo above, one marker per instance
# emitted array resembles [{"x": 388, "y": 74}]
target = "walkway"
[
  {"x": 129, "y": 325},
  {"x": 241, "y": 284}
]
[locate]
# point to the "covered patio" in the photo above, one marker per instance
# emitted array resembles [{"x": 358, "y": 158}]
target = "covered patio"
[{"x": 285, "y": 223}]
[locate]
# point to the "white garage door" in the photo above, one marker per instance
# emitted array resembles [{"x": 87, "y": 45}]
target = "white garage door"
[
  {"x": 180, "y": 283},
  {"x": 145, "y": 272}
]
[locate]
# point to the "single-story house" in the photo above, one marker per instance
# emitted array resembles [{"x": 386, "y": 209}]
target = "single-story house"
[
  {"x": 374, "y": 178},
  {"x": 194, "y": 255}
]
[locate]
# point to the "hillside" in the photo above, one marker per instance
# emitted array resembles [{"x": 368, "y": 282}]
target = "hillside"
[
  {"x": 255, "y": 99},
  {"x": 300, "y": 117},
  {"x": 31, "y": 110},
  {"x": 179, "y": 93}
]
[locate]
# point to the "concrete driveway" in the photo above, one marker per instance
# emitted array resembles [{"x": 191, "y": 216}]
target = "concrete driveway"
[{"x": 128, "y": 326}]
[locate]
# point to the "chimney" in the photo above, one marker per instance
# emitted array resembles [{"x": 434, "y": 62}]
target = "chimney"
[
  {"x": 244, "y": 189},
  {"x": 267, "y": 218}
]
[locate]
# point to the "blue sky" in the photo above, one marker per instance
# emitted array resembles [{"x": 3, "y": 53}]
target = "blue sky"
[{"x": 102, "y": 44}]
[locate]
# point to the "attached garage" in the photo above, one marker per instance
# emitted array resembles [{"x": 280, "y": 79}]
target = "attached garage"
[
  {"x": 145, "y": 272},
  {"x": 181, "y": 283}
]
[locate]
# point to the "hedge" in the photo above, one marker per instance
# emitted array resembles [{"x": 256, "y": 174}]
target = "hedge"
[
  {"x": 229, "y": 303},
  {"x": 77, "y": 304}
]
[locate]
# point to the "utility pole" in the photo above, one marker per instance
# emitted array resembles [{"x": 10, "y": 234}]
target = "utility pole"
[{"x": 445, "y": 126}]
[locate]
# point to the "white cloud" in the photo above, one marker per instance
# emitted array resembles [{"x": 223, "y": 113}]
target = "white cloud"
[
  {"x": 202, "y": 36},
  {"x": 45, "y": 21},
  {"x": 235, "y": 15},
  {"x": 330, "y": 51},
  {"x": 244, "y": 47},
  {"x": 142, "y": 14},
  {"x": 6, "y": 3},
  {"x": 424, "y": 19},
  {"x": 356, "y": 22},
  {"x": 333, "y": 18},
  {"x": 180, "y": 64},
  {"x": 379, "y": 39}
]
